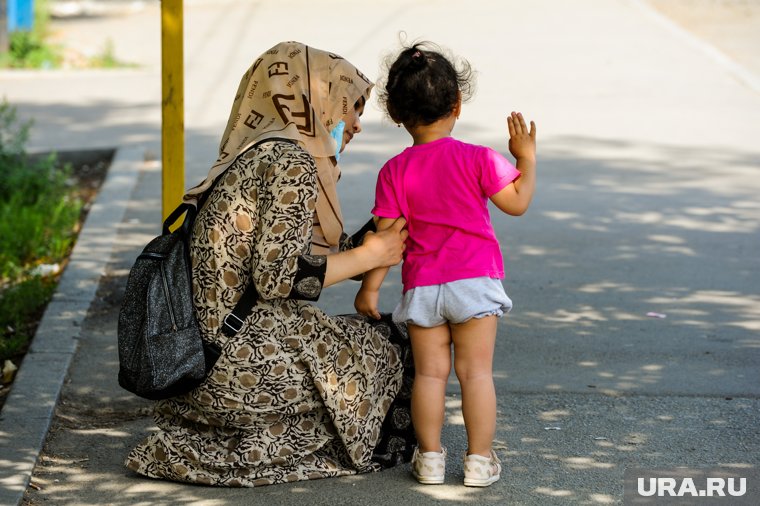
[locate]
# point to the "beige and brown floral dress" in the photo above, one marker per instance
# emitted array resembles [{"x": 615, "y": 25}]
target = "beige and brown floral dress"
[{"x": 296, "y": 394}]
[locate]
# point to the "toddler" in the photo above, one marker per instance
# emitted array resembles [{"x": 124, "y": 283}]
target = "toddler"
[{"x": 452, "y": 270}]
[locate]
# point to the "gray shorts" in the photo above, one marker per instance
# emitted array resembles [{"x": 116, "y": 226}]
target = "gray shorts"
[{"x": 454, "y": 302}]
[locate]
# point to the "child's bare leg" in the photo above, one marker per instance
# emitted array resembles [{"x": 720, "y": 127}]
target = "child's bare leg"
[
  {"x": 474, "y": 342},
  {"x": 431, "y": 348}
]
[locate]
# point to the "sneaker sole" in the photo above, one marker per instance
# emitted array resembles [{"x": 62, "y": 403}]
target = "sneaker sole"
[
  {"x": 429, "y": 480},
  {"x": 474, "y": 482}
]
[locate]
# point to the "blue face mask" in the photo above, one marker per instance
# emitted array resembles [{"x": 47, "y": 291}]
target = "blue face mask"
[{"x": 337, "y": 134}]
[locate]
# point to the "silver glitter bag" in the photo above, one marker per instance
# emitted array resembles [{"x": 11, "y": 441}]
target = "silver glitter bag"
[{"x": 161, "y": 352}]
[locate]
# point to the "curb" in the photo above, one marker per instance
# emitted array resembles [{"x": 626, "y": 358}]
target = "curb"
[{"x": 29, "y": 408}]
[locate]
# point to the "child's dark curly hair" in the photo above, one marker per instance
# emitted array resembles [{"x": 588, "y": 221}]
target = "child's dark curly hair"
[{"x": 423, "y": 85}]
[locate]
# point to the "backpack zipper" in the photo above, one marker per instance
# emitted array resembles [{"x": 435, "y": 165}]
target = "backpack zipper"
[{"x": 168, "y": 298}]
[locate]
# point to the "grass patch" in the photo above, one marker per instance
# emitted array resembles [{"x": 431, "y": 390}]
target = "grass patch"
[
  {"x": 106, "y": 58},
  {"x": 21, "y": 307},
  {"x": 29, "y": 49},
  {"x": 39, "y": 211}
]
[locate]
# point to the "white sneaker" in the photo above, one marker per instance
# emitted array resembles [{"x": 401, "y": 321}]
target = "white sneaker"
[
  {"x": 430, "y": 467},
  {"x": 480, "y": 471}
]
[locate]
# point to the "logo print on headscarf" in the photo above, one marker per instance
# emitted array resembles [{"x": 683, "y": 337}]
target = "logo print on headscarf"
[
  {"x": 280, "y": 69},
  {"x": 253, "y": 119},
  {"x": 366, "y": 80},
  {"x": 307, "y": 127}
]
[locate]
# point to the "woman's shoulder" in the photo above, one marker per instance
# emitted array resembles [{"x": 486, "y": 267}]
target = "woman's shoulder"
[
  {"x": 286, "y": 152},
  {"x": 273, "y": 154}
]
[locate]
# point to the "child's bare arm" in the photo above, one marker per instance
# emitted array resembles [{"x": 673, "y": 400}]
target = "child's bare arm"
[
  {"x": 515, "y": 198},
  {"x": 367, "y": 298}
]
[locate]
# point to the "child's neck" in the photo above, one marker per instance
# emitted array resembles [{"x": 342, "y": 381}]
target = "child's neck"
[{"x": 423, "y": 134}]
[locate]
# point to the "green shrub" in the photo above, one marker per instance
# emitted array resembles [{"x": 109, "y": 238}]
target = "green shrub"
[
  {"x": 29, "y": 50},
  {"x": 21, "y": 305},
  {"x": 39, "y": 210}
]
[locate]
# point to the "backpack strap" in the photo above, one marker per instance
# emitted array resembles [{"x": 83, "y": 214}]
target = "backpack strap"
[
  {"x": 181, "y": 209},
  {"x": 234, "y": 321}
]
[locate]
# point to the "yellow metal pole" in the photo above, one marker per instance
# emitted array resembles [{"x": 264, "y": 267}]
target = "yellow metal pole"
[{"x": 172, "y": 106}]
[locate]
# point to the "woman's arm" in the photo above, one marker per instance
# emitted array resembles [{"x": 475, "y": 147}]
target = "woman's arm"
[
  {"x": 284, "y": 207},
  {"x": 285, "y": 214},
  {"x": 378, "y": 250}
]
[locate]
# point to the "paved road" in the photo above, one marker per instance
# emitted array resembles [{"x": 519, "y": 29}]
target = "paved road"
[{"x": 647, "y": 202}]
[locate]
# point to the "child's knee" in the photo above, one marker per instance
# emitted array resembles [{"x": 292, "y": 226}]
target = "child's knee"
[
  {"x": 438, "y": 370},
  {"x": 467, "y": 370}
]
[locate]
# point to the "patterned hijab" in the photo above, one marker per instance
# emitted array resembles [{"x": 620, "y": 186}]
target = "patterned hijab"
[{"x": 300, "y": 93}]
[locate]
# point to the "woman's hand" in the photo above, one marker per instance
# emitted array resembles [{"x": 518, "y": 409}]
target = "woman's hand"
[
  {"x": 378, "y": 250},
  {"x": 386, "y": 247}
]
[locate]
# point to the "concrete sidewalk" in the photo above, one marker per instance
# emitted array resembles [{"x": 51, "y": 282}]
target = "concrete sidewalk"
[{"x": 647, "y": 202}]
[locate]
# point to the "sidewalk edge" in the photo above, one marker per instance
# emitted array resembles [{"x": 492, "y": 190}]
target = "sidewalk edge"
[{"x": 29, "y": 408}]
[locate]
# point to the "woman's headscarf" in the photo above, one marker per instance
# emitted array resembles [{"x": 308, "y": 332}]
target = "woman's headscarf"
[{"x": 295, "y": 92}]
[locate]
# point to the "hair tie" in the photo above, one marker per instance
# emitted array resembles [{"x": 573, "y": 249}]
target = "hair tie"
[{"x": 416, "y": 54}]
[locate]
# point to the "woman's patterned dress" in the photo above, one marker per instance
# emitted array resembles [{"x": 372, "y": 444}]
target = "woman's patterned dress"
[{"x": 296, "y": 394}]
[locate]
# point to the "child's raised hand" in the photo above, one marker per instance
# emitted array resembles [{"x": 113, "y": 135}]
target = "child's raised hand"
[{"x": 522, "y": 143}]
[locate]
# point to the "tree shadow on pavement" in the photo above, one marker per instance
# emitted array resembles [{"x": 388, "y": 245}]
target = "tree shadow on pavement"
[{"x": 588, "y": 384}]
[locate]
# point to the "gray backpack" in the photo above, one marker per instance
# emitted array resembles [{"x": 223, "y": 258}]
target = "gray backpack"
[{"x": 161, "y": 350}]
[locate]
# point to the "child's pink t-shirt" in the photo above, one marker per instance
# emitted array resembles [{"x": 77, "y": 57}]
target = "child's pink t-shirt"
[{"x": 442, "y": 189}]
